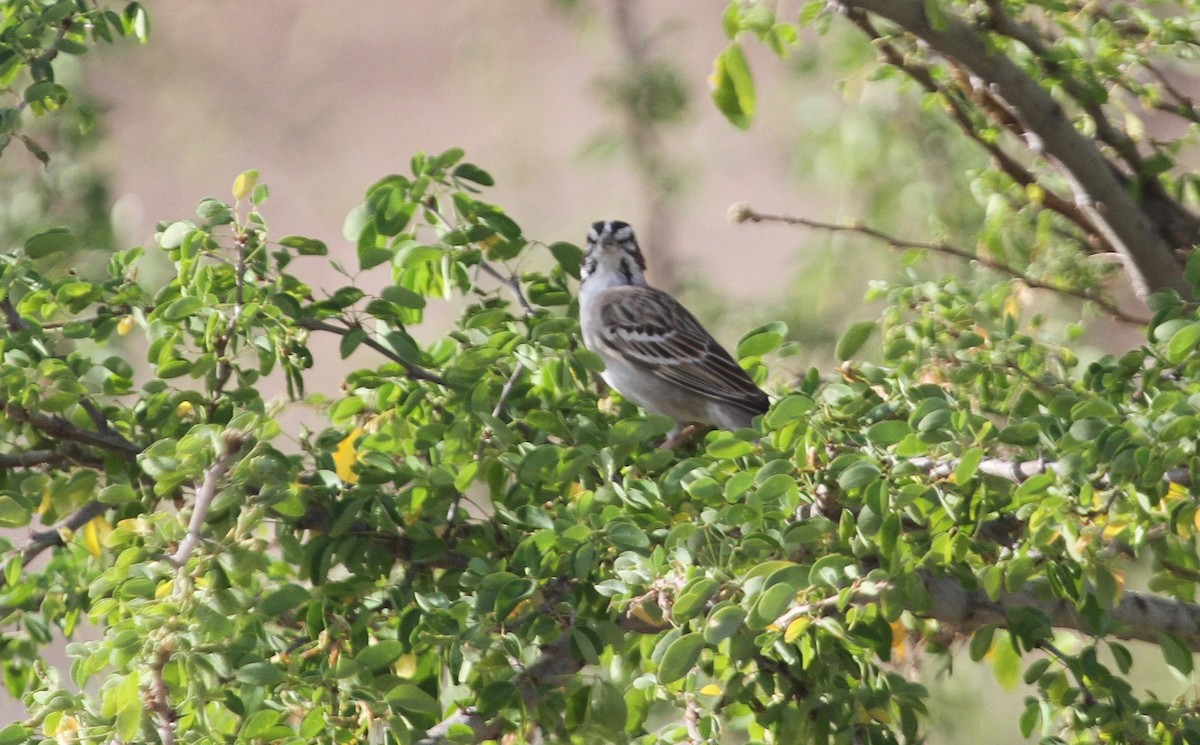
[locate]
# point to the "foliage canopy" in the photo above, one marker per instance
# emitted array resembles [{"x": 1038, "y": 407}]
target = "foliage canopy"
[{"x": 474, "y": 541}]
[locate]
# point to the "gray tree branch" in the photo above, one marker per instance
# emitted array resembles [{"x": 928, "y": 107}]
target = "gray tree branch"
[{"x": 1150, "y": 261}]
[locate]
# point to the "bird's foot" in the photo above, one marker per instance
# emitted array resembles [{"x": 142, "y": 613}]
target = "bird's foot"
[{"x": 680, "y": 436}]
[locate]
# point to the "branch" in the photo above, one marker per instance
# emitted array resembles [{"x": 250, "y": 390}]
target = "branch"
[
  {"x": 67, "y": 451},
  {"x": 415, "y": 372},
  {"x": 55, "y": 426},
  {"x": 1098, "y": 191},
  {"x": 744, "y": 213},
  {"x": 1138, "y": 616},
  {"x": 398, "y": 546},
  {"x": 1019, "y": 471},
  {"x": 511, "y": 283},
  {"x": 958, "y": 112},
  {"x": 160, "y": 698},
  {"x": 57, "y": 535},
  {"x": 232, "y": 444},
  {"x": 553, "y": 664}
]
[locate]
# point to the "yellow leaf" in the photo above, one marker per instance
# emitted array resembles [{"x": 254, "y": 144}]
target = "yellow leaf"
[
  {"x": 94, "y": 533},
  {"x": 881, "y": 715},
  {"x": 1175, "y": 491},
  {"x": 244, "y": 184},
  {"x": 899, "y": 637},
  {"x": 712, "y": 689},
  {"x": 346, "y": 456},
  {"x": 46, "y": 504},
  {"x": 184, "y": 409},
  {"x": 795, "y": 629},
  {"x": 164, "y": 589},
  {"x": 406, "y": 665},
  {"x": 1012, "y": 307},
  {"x": 125, "y": 325}
]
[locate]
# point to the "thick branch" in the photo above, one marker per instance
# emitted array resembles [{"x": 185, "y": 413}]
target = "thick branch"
[
  {"x": 108, "y": 439},
  {"x": 1098, "y": 192},
  {"x": 744, "y": 213},
  {"x": 959, "y": 113},
  {"x": 1138, "y": 615}
]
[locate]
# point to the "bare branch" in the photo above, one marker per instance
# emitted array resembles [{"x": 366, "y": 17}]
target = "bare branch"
[
  {"x": 232, "y": 444},
  {"x": 511, "y": 283},
  {"x": 1098, "y": 191},
  {"x": 57, "y": 535},
  {"x": 744, "y": 213},
  {"x": 160, "y": 698},
  {"x": 54, "y": 426},
  {"x": 414, "y": 371},
  {"x": 1138, "y": 616},
  {"x": 958, "y": 113},
  {"x": 1020, "y": 471}
]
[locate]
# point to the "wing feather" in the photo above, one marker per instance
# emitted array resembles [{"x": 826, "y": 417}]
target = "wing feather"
[{"x": 655, "y": 332}]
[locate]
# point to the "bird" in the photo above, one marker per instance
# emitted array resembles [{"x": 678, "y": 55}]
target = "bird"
[{"x": 656, "y": 354}]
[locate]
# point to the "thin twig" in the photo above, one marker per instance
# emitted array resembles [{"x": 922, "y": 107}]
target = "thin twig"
[
  {"x": 744, "y": 213},
  {"x": 414, "y": 371},
  {"x": 12, "y": 318},
  {"x": 691, "y": 719},
  {"x": 232, "y": 444},
  {"x": 511, "y": 283},
  {"x": 1089, "y": 697},
  {"x": 57, "y": 534}
]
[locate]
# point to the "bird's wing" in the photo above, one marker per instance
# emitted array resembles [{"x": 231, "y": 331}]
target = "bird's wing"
[{"x": 651, "y": 330}]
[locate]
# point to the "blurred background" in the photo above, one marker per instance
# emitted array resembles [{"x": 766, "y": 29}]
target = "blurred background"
[{"x": 582, "y": 110}]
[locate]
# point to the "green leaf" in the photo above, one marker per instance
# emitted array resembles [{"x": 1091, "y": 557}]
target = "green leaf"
[
  {"x": 968, "y": 464},
  {"x": 128, "y": 703},
  {"x": 380, "y": 654},
  {"x": 787, "y": 410},
  {"x": 723, "y": 622},
  {"x": 1006, "y": 663},
  {"x": 50, "y": 241},
  {"x": 1175, "y": 652},
  {"x": 259, "y": 723},
  {"x": 305, "y": 246},
  {"x": 284, "y": 599},
  {"x": 888, "y": 432},
  {"x": 12, "y": 513},
  {"x": 858, "y": 474},
  {"x": 173, "y": 236},
  {"x": 729, "y": 447},
  {"x": 408, "y": 697},
  {"x": 680, "y": 658},
  {"x": 759, "y": 342},
  {"x": 733, "y": 86},
  {"x": 853, "y": 339},
  {"x": 470, "y": 172},
  {"x": 260, "y": 674},
  {"x": 770, "y": 605},
  {"x": 1183, "y": 343},
  {"x": 569, "y": 257},
  {"x": 14, "y": 734},
  {"x": 182, "y": 308}
]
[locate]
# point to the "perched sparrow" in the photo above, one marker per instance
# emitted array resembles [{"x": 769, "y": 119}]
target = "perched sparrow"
[{"x": 656, "y": 354}]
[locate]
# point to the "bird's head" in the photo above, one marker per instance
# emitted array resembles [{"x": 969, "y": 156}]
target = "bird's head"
[{"x": 612, "y": 250}]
